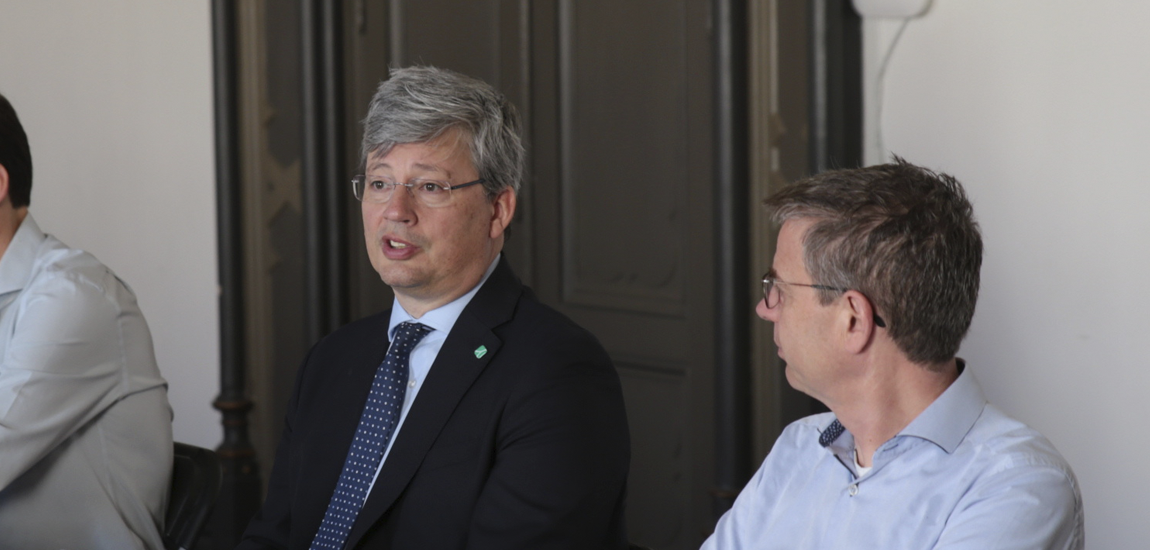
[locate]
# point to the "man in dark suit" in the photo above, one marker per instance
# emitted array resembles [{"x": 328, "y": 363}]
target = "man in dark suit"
[{"x": 470, "y": 415}]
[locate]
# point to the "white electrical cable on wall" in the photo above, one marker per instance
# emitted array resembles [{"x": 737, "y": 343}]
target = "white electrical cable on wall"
[{"x": 880, "y": 78}]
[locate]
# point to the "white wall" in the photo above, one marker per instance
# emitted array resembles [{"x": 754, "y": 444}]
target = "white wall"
[
  {"x": 116, "y": 98},
  {"x": 1042, "y": 109}
]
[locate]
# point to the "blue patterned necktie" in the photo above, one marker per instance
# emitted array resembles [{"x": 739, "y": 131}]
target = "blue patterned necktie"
[{"x": 376, "y": 425}]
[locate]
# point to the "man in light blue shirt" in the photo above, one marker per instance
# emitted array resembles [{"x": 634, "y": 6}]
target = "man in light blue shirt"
[
  {"x": 872, "y": 288},
  {"x": 85, "y": 426}
]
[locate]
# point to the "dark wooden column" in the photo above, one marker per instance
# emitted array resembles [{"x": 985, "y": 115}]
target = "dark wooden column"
[
  {"x": 835, "y": 85},
  {"x": 240, "y": 494},
  {"x": 325, "y": 187},
  {"x": 732, "y": 187}
]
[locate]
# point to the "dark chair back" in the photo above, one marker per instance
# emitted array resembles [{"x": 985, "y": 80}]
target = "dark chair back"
[{"x": 196, "y": 477}]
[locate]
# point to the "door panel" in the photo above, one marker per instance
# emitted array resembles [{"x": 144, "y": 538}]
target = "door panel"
[
  {"x": 622, "y": 167},
  {"x": 624, "y": 137}
]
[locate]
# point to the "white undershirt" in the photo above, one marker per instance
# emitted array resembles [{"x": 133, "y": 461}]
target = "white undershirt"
[{"x": 862, "y": 471}]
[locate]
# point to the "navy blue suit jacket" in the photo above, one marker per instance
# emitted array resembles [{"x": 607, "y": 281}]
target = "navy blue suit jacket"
[{"x": 525, "y": 447}]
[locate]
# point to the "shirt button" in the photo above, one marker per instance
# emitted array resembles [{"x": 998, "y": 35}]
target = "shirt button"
[
  {"x": 411, "y": 384},
  {"x": 854, "y": 489}
]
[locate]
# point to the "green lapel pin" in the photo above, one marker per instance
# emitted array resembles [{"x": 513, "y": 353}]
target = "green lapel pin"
[{"x": 480, "y": 352}]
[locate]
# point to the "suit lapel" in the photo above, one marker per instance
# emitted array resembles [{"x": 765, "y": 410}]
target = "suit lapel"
[{"x": 454, "y": 371}]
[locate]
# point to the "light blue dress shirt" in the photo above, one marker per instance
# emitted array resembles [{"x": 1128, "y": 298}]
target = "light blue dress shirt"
[
  {"x": 440, "y": 319},
  {"x": 85, "y": 426},
  {"x": 962, "y": 475}
]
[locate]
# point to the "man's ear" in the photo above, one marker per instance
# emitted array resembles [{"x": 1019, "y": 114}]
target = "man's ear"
[
  {"x": 3, "y": 183},
  {"x": 503, "y": 209},
  {"x": 860, "y": 324}
]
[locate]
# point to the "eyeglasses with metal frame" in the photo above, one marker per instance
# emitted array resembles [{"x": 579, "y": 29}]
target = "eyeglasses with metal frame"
[
  {"x": 378, "y": 190},
  {"x": 769, "y": 284}
]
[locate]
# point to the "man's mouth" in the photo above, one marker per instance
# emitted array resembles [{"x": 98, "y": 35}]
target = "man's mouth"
[{"x": 394, "y": 249}]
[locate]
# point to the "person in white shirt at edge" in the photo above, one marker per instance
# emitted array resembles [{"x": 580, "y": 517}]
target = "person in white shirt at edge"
[
  {"x": 85, "y": 426},
  {"x": 872, "y": 289}
]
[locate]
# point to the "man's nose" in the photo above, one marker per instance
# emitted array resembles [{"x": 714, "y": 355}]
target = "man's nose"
[
  {"x": 401, "y": 207},
  {"x": 765, "y": 313}
]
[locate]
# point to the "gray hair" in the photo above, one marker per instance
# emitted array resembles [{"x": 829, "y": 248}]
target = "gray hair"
[
  {"x": 419, "y": 104},
  {"x": 903, "y": 236}
]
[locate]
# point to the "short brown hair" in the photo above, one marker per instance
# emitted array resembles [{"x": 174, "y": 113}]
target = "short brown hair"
[{"x": 902, "y": 235}]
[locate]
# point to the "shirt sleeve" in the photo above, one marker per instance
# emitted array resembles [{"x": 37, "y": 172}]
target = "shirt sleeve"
[
  {"x": 1033, "y": 506},
  {"x": 743, "y": 517},
  {"x": 62, "y": 368},
  {"x": 744, "y": 525}
]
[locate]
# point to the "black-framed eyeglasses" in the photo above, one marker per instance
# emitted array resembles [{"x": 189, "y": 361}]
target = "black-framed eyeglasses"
[
  {"x": 771, "y": 296},
  {"x": 378, "y": 190}
]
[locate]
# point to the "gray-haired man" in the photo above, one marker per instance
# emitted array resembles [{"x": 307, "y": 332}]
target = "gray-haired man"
[{"x": 492, "y": 421}]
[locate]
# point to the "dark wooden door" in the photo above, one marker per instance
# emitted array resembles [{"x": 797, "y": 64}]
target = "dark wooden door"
[
  {"x": 629, "y": 221},
  {"x": 622, "y": 168}
]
